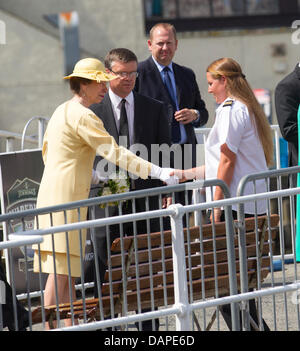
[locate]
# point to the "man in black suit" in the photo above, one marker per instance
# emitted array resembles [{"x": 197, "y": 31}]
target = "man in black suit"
[
  {"x": 147, "y": 125},
  {"x": 176, "y": 87},
  {"x": 287, "y": 100}
]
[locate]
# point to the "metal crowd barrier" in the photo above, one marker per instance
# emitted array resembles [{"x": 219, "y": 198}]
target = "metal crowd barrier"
[
  {"x": 277, "y": 179},
  {"x": 37, "y": 140},
  {"x": 189, "y": 312},
  {"x": 94, "y": 204},
  {"x": 285, "y": 206},
  {"x": 11, "y": 137}
]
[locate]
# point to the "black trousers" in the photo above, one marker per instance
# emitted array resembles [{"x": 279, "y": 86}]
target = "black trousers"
[
  {"x": 226, "y": 313},
  {"x": 8, "y": 309},
  {"x": 225, "y": 309}
]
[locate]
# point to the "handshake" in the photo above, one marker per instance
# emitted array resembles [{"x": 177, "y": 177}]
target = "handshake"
[{"x": 164, "y": 174}]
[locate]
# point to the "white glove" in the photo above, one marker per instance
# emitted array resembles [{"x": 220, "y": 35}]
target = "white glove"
[
  {"x": 97, "y": 178},
  {"x": 164, "y": 175}
]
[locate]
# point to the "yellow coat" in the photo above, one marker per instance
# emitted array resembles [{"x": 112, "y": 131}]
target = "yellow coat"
[{"x": 73, "y": 136}]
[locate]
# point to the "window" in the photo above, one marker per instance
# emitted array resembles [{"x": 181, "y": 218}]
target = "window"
[{"x": 192, "y": 15}]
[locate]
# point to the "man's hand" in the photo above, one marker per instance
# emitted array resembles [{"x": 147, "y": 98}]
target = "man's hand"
[{"x": 185, "y": 116}]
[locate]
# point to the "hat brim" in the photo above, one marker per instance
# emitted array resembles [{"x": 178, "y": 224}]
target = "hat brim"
[{"x": 98, "y": 76}]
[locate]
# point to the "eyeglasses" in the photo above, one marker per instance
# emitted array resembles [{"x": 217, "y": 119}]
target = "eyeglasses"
[
  {"x": 104, "y": 83},
  {"x": 133, "y": 74}
]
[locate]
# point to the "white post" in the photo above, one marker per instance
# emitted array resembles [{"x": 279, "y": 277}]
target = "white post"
[
  {"x": 9, "y": 144},
  {"x": 41, "y": 131},
  {"x": 277, "y": 147},
  {"x": 179, "y": 270}
]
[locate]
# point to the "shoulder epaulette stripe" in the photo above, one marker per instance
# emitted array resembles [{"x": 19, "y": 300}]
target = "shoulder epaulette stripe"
[{"x": 228, "y": 103}]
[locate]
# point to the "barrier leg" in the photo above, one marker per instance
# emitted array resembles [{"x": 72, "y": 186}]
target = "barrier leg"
[{"x": 179, "y": 268}]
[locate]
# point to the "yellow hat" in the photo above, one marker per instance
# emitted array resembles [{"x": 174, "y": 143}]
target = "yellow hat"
[{"x": 91, "y": 68}]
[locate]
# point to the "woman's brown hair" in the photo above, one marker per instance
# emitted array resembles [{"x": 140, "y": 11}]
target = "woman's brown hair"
[
  {"x": 75, "y": 83},
  {"x": 238, "y": 88}
]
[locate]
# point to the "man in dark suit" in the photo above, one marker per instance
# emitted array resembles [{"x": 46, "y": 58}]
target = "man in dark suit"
[
  {"x": 176, "y": 87},
  {"x": 147, "y": 125},
  {"x": 287, "y": 100}
]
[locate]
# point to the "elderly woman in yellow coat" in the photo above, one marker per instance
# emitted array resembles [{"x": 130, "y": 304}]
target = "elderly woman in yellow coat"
[{"x": 73, "y": 136}]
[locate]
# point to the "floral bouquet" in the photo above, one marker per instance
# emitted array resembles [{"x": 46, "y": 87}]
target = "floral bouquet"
[{"x": 117, "y": 183}]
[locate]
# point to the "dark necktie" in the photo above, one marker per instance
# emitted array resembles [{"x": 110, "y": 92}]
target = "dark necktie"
[
  {"x": 124, "y": 130},
  {"x": 175, "y": 125},
  {"x": 124, "y": 133}
]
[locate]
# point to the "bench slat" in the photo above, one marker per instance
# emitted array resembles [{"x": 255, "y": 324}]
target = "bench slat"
[
  {"x": 208, "y": 244},
  {"x": 208, "y": 258},
  {"x": 219, "y": 229}
]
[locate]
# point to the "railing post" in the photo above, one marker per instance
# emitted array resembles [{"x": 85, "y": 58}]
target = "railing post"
[
  {"x": 231, "y": 265},
  {"x": 42, "y": 123},
  {"x": 9, "y": 144},
  {"x": 196, "y": 199},
  {"x": 277, "y": 146},
  {"x": 41, "y": 130},
  {"x": 243, "y": 265},
  {"x": 179, "y": 269}
]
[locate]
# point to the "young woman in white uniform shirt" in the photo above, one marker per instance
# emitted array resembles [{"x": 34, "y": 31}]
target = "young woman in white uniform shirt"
[{"x": 240, "y": 141}]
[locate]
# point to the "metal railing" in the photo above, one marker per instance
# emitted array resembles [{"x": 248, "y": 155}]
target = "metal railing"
[
  {"x": 276, "y": 179},
  {"x": 184, "y": 305},
  {"x": 11, "y": 137},
  {"x": 36, "y": 140},
  {"x": 93, "y": 223}
]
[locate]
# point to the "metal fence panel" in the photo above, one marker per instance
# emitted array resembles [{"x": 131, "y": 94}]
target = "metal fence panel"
[{"x": 155, "y": 272}]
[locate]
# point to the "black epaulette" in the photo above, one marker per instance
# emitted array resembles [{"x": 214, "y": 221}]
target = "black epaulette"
[{"x": 228, "y": 103}]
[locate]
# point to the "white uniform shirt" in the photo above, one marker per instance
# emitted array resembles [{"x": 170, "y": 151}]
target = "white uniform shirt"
[{"x": 234, "y": 127}]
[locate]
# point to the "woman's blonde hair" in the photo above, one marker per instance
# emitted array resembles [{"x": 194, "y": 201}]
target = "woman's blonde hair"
[{"x": 239, "y": 88}]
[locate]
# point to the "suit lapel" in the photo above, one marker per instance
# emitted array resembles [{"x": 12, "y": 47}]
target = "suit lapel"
[
  {"x": 109, "y": 118},
  {"x": 157, "y": 80},
  {"x": 154, "y": 72},
  {"x": 297, "y": 71},
  {"x": 137, "y": 121}
]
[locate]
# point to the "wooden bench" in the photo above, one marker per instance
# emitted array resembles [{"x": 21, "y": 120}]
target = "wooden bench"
[{"x": 201, "y": 269}]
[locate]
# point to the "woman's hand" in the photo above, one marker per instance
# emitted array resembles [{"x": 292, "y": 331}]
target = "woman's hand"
[
  {"x": 189, "y": 174},
  {"x": 180, "y": 174}
]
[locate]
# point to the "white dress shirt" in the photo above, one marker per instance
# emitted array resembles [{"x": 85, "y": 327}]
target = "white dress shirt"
[
  {"x": 116, "y": 107},
  {"x": 160, "y": 67}
]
